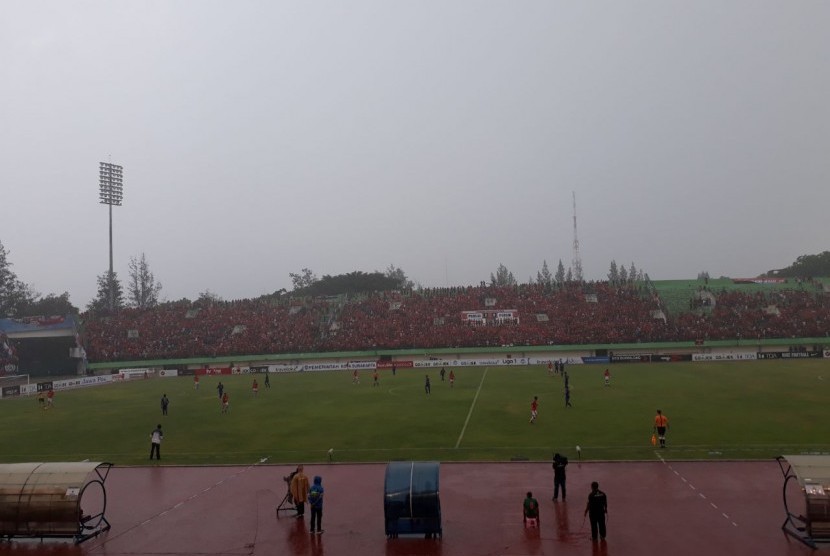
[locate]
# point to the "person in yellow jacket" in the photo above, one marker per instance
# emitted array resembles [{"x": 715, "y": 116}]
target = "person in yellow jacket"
[{"x": 299, "y": 491}]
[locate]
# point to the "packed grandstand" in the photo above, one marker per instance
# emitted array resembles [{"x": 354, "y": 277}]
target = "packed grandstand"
[{"x": 464, "y": 317}]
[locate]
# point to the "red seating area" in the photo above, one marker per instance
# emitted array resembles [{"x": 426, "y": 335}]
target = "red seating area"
[
  {"x": 166, "y": 332},
  {"x": 432, "y": 319},
  {"x": 619, "y": 316},
  {"x": 740, "y": 315}
]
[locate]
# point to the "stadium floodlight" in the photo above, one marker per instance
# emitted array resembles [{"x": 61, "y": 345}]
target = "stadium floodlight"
[{"x": 111, "y": 192}]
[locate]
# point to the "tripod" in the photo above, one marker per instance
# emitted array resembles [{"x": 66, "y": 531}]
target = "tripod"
[{"x": 287, "y": 504}]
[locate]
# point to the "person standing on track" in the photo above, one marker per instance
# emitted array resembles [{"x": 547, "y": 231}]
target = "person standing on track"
[
  {"x": 299, "y": 491},
  {"x": 155, "y": 442},
  {"x": 596, "y": 510},
  {"x": 559, "y": 464},
  {"x": 315, "y": 502},
  {"x": 661, "y": 424}
]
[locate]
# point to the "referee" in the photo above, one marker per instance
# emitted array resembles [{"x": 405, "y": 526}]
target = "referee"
[{"x": 661, "y": 423}]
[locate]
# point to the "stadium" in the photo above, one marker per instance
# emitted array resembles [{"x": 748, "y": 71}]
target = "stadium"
[
  {"x": 569, "y": 410},
  {"x": 737, "y": 365}
]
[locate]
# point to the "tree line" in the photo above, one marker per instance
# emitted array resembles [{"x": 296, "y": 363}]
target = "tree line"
[{"x": 18, "y": 299}]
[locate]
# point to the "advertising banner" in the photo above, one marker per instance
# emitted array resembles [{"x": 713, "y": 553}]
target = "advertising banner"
[
  {"x": 631, "y": 357},
  {"x": 130, "y": 374},
  {"x": 490, "y": 362},
  {"x": 671, "y": 357},
  {"x": 44, "y": 386},
  {"x": 213, "y": 371},
  {"x": 724, "y": 356},
  {"x": 323, "y": 366},
  {"x": 568, "y": 360},
  {"x": 11, "y": 391},
  {"x": 789, "y": 354},
  {"x": 800, "y": 354},
  {"x": 285, "y": 368},
  {"x": 388, "y": 365},
  {"x": 335, "y": 366},
  {"x": 167, "y": 373},
  {"x": 82, "y": 382}
]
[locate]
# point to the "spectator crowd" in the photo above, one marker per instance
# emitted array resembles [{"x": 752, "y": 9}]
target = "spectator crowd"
[{"x": 588, "y": 313}]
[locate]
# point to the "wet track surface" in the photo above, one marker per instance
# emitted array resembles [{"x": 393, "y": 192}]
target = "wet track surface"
[{"x": 655, "y": 508}]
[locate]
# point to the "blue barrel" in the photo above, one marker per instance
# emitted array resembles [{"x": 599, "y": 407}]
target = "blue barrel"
[{"x": 410, "y": 499}]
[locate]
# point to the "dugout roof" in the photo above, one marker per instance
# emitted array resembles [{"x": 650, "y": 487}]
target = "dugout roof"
[{"x": 810, "y": 470}]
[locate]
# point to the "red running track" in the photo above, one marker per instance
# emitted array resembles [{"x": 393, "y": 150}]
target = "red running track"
[{"x": 671, "y": 508}]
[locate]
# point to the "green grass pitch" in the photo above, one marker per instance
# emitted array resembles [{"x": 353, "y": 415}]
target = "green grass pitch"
[{"x": 734, "y": 410}]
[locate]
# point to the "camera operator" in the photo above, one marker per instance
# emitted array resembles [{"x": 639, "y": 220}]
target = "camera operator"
[
  {"x": 299, "y": 490},
  {"x": 287, "y": 479}
]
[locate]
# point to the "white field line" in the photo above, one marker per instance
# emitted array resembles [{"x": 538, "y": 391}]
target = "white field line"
[{"x": 472, "y": 406}]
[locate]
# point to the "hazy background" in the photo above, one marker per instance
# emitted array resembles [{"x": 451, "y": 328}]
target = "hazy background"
[{"x": 258, "y": 138}]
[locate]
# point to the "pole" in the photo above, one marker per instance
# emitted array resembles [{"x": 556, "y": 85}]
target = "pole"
[{"x": 109, "y": 277}]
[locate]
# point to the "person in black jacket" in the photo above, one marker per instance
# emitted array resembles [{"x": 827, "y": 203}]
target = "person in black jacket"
[
  {"x": 559, "y": 464},
  {"x": 596, "y": 509}
]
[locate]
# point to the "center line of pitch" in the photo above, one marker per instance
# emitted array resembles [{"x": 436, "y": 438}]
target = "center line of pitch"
[{"x": 472, "y": 406}]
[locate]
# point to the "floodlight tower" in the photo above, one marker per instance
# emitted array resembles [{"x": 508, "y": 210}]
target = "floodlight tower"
[
  {"x": 577, "y": 261},
  {"x": 111, "y": 192}
]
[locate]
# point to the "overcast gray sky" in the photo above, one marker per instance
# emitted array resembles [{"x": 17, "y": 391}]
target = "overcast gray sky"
[{"x": 258, "y": 138}]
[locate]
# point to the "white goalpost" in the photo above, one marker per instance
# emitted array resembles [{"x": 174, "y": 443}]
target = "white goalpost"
[
  {"x": 15, "y": 385},
  {"x": 11, "y": 380}
]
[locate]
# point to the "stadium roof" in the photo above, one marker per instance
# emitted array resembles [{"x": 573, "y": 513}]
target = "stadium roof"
[{"x": 39, "y": 327}]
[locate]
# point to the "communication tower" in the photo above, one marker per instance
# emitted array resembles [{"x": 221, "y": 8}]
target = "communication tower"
[{"x": 577, "y": 260}]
